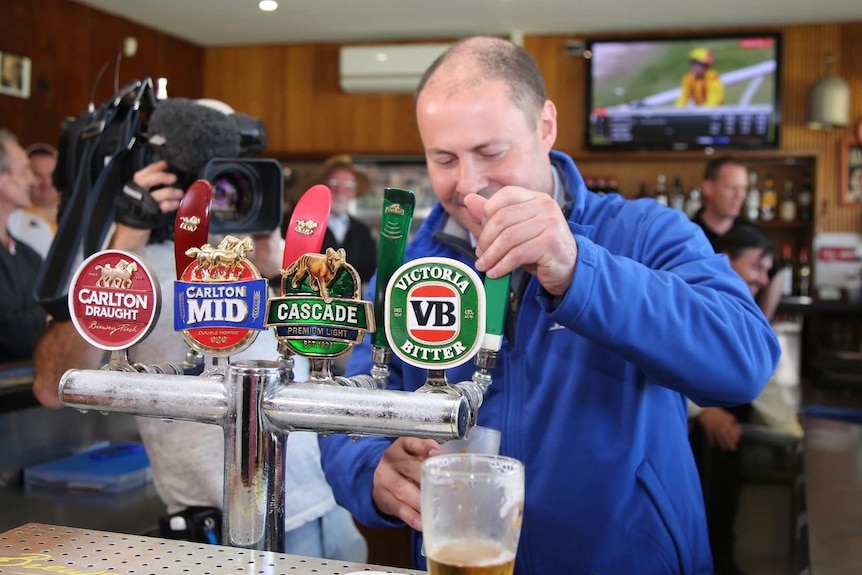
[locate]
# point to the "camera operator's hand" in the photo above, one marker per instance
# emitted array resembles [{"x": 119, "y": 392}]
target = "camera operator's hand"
[
  {"x": 267, "y": 254},
  {"x": 129, "y": 234}
]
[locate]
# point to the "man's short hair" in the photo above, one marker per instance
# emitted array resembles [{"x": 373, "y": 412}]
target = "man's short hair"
[
  {"x": 41, "y": 150},
  {"x": 714, "y": 166},
  {"x": 498, "y": 59},
  {"x": 743, "y": 236},
  {"x": 6, "y": 138}
]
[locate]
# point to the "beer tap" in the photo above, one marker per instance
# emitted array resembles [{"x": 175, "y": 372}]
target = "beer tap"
[
  {"x": 398, "y": 206},
  {"x": 496, "y": 297},
  {"x": 191, "y": 230},
  {"x": 319, "y": 330},
  {"x": 438, "y": 315},
  {"x": 257, "y": 402},
  {"x": 114, "y": 303}
]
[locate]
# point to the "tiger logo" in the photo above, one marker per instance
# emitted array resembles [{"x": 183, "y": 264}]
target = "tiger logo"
[{"x": 321, "y": 270}]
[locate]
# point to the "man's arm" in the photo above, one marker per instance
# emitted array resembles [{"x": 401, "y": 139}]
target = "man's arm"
[
  {"x": 769, "y": 298},
  {"x": 60, "y": 349}
]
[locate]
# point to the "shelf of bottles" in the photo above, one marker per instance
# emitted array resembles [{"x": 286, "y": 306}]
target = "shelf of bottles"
[{"x": 780, "y": 197}]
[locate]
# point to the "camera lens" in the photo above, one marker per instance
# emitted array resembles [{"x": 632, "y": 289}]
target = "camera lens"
[{"x": 234, "y": 195}]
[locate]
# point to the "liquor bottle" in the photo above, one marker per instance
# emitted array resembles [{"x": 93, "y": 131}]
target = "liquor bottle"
[
  {"x": 660, "y": 191},
  {"x": 601, "y": 186},
  {"x": 787, "y": 210},
  {"x": 677, "y": 197},
  {"x": 804, "y": 271},
  {"x": 805, "y": 200},
  {"x": 768, "y": 200},
  {"x": 642, "y": 190},
  {"x": 787, "y": 256},
  {"x": 752, "y": 199},
  {"x": 693, "y": 203}
]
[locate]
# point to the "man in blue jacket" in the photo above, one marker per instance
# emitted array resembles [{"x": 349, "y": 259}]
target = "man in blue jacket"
[{"x": 622, "y": 309}]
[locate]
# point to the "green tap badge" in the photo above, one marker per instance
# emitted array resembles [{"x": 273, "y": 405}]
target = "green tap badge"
[
  {"x": 435, "y": 313},
  {"x": 319, "y": 313}
]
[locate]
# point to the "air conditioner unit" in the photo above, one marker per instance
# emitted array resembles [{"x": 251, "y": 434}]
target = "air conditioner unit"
[{"x": 387, "y": 68}]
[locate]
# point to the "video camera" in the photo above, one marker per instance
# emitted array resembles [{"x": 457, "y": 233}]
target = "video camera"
[{"x": 100, "y": 150}]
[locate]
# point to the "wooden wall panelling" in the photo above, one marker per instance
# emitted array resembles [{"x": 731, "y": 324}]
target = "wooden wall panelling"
[
  {"x": 320, "y": 119},
  {"x": 251, "y": 80},
  {"x": 68, "y": 43}
]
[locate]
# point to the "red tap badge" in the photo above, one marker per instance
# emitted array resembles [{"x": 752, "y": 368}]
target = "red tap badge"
[{"x": 114, "y": 300}]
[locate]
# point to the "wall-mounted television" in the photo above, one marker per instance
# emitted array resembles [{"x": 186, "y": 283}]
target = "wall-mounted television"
[{"x": 683, "y": 93}]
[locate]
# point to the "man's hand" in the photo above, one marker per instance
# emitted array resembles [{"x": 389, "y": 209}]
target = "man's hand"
[
  {"x": 397, "y": 478},
  {"x": 267, "y": 254},
  {"x": 168, "y": 199},
  {"x": 721, "y": 428},
  {"x": 522, "y": 228}
]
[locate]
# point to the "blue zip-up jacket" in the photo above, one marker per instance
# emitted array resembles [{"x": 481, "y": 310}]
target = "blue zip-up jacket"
[{"x": 589, "y": 393}]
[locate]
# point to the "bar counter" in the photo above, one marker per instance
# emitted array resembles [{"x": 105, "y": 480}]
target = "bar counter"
[
  {"x": 39, "y": 548},
  {"x": 833, "y": 478}
]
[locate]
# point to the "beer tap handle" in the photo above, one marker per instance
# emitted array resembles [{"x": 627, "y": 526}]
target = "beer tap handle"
[
  {"x": 192, "y": 225},
  {"x": 398, "y": 206},
  {"x": 496, "y": 298},
  {"x": 191, "y": 230},
  {"x": 308, "y": 224},
  {"x": 305, "y": 234}
]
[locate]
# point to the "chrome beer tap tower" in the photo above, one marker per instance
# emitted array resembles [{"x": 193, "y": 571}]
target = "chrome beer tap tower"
[{"x": 219, "y": 299}]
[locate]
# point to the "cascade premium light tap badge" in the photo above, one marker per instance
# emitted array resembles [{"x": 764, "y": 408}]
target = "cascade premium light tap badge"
[
  {"x": 219, "y": 300},
  {"x": 320, "y": 313},
  {"x": 114, "y": 301},
  {"x": 435, "y": 316}
]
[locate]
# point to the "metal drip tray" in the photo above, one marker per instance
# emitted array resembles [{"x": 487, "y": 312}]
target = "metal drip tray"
[{"x": 38, "y": 548}]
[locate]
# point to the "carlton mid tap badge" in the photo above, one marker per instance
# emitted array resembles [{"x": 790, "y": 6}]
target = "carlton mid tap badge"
[
  {"x": 219, "y": 299},
  {"x": 114, "y": 300},
  {"x": 435, "y": 316},
  {"x": 320, "y": 313}
]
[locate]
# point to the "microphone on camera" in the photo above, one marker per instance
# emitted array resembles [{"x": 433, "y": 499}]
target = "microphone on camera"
[{"x": 188, "y": 134}]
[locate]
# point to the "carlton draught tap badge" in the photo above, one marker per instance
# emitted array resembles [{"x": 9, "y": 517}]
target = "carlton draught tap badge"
[
  {"x": 114, "y": 300},
  {"x": 219, "y": 299},
  {"x": 435, "y": 316},
  {"x": 320, "y": 313}
]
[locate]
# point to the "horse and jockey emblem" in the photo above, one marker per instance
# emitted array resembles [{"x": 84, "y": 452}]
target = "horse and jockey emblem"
[
  {"x": 220, "y": 263},
  {"x": 119, "y": 276}
]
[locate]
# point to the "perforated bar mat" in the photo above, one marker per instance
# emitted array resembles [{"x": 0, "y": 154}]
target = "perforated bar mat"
[{"x": 37, "y": 548}]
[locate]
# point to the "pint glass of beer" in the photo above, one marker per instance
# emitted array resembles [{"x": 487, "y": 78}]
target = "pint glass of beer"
[{"x": 472, "y": 506}]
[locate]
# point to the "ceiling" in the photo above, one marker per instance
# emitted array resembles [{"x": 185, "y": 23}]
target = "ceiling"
[{"x": 240, "y": 22}]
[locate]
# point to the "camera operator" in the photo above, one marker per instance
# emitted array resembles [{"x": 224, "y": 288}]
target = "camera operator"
[{"x": 187, "y": 458}]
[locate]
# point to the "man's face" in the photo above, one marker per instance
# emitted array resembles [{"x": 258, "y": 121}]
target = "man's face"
[
  {"x": 753, "y": 267},
  {"x": 44, "y": 193},
  {"x": 477, "y": 141},
  {"x": 698, "y": 69},
  {"x": 342, "y": 183},
  {"x": 725, "y": 195},
  {"x": 16, "y": 183}
]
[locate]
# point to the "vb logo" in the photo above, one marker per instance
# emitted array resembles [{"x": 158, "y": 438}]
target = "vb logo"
[{"x": 433, "y": 313}]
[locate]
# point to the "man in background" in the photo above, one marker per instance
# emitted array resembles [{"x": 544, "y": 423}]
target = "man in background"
[
  {"x": 347, "y": 182},
  {"x": 22, "y": 320},
  {"x": 36, "y": 224},
  {"x": 717, "y": 431},
  {"x": 724, "y": 187}
]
